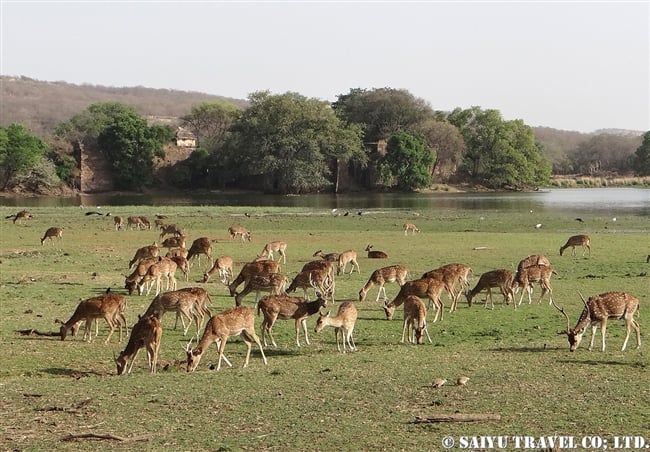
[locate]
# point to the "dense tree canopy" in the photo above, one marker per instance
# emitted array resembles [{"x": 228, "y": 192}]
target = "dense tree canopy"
[
  {"x": 407, "y": 163},
  {"x": 447, "y": 143},
  {"x": 210, "y": 122},
  {"x": 605, "y": 153},
  {"x": 20, "y": 151},
  {"x": 642, "y": 157}
]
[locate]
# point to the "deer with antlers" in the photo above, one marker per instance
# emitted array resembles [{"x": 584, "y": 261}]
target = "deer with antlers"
[
  {"x": 275, "y": 247},
  {"x": 270, "y": 282},
  {"x": 284, "y": 307},
  {"x": 381, "y": 276},
  {"x": 109, "y": 306},
  {"x": 222, "y": 266},
  {"x": 501, "y": 278},
  {"x": 330, "y": 257},
  {"x": 239, "y": 321},
  {"x": 146, "y": 333},
  {"x": 345, "y": 258},
  {"x": 170, "y": 229},
  {"x": 410, "y": 227},
  {"x": 239, "y": 231},
  {"x": 577, "y": 240},
  {"x": 424, "y": 287},
  {"x": 343, "y": 324},
  {"x": 317, "y": 275},
  {"x": 598, "y": 310},
  {"x": 251, "y": 269},
  {"x": 52, "y": 233}
]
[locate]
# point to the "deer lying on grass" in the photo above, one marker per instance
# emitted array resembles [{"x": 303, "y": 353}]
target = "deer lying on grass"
[
  {"x": 170, "y": 229},
  {"x": 131, "y": 281},
  {"x": 275, "y": 247},
  {"x": 20, "y": 216},
  {"x": 415, "y": 320},
  {"x": 51, "y": 234},
  {"x": 232, "y": 322},
  {"x": 577, "y": 240},
  {"x": 251, "y": 269},
  {"x": 598, "y": 309},
  {"x": 202, "y": 245},
  {"x": 284, "y": 307},
  {"x": 223, "y": 265},
  {"x": 501, "y": 278},
  {"x": 330, "y": 257},
  {"x": 109, "y": 306},
  {"x": 526, "y": 277},
  {"x": 118, "y": 222},
  {"x": 375, "y": 254},
  {"x": 146, "y": 333},
  {"x": 343, "y": 325},
  {"x": 424, "y": 287},
  {"x": 164, "y": 268},
  {"x": 239, "y": 231},
  {"x": 273, "y": 283},
  {"x": 152, "y": 250},
  {"x": 391, "y": 274},
  {"x": 186, "y": 303},
  {"x": 317, "y": 275},
  {"x": 410, "y": 227},
  {"x": 345, "y": 258}
]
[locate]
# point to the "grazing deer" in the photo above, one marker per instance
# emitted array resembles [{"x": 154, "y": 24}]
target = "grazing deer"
[
  {"x": 170, "y": 229},
  {"x": 166, "y": 268},
  {"x": 202, "y": 245},
  {"x": 270, "y": 282},
  {"x": 501, "y": 278},
  {"x": 410, "y": 227},
  {"x": 534, "y": 259},
  {"x": 183, "y": 265},
  {"x": 146, "y": 333},
  {"x": 452, "y": 274},
  {"x": 345, "y": 258},
  {"x": 185, "y": 303},
  {"x": 526, "y": 277},
  {"x": 239, "y": 231},
  {"x": 343, "y": 324},
  {"x": 135, "y": 222},
  {"x": 152, "y": 250},
  {"x": 415, "y": 320},
  {"x": 232, "y": 322},
  {"x": 177, "y": 252},
  {"x": 20, "y": 216},
  {"x": 284, "y": 307},
  {"x": 275, "y": 247},
  {"x": 581, "y": 240},
  {"x": 107, "y": 306},
  {"x": 319, "y": 278},
  {"x": 144, "y": 221},
  {"x": 375, "y": 254},
  {"x": 118, "y": 222},
  {"x": 51, "y": 234},
  {"x": 223, "y": 265},
  {"x": 424, "y": 287},
  {"x": 131, "y": 281},
  {"x": 391, "y": 274},
  {"x": 174, "y": 242},
  {"x": 598, "y": 309},
  {"x": 330, "y": 257},
  {"x": 251, "y": 269},
  {"x": 159, "y": 222}
]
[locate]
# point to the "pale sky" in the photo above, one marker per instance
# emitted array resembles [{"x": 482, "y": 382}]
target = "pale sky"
[{"x": 568, "y": 65}]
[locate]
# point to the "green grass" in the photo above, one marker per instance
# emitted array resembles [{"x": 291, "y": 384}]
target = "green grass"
[{"x": 312, "y": 397}]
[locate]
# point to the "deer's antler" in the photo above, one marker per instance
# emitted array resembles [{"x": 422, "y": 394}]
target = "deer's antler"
[{"x": 568, "y": 324}]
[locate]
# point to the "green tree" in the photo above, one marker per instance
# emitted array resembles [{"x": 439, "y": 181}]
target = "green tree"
[
  {"x": 20, "y": 151},
  {"x": 605, "y": 153},
  {"x": 642, "y": 157},
  {"x": 446, "y": 142},
  {"x": 210, "y": 121},
  {"x": 407, "y": 162}
]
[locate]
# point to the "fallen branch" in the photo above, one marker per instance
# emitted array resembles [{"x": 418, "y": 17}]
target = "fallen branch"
[
  {"x": 106, "y": 436},
  {"x": 457, "y": 417},
  {"x": 32, "y": 332}
]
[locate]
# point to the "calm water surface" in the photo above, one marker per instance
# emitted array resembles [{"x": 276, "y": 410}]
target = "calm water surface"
[{"x": 609, "y": 201}]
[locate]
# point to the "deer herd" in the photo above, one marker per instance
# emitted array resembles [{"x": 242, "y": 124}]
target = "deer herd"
[{"x": 150, "y": 268}]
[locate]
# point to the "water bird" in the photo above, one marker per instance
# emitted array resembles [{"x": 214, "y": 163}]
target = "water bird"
[
  {"x": 538, "y": 226},
  {"x": 580, "y": 220}
]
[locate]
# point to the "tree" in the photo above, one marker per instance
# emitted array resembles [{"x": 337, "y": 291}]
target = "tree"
[
  {"x": 20, "y": 151},
  {"x": 446, "y": 142},
  {"x": 407, "y": 162},
  {"x": 642, "y": 157},
  {"x": 605, "y": 153},
  {"x": 210, "y": 121}
]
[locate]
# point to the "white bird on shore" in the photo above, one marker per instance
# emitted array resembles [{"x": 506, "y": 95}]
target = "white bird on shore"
[{"x": 538, "y": 226}]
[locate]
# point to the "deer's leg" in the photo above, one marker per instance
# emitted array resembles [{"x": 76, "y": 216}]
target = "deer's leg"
[
  {"x": 222, "y": 345},
  {"x": 405, "y": 327},
  {"x": 594, "y": 327},
  {"x": 304, "y": 328},
  {"x": 133, "y": 361}
]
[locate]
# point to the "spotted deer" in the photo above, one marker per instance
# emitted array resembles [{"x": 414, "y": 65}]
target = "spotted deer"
[
  {"x": 577, "y": 240},
  {"x": 118, "y": 222},
  {"x": 251, "y": 269},
  {"x": 598, "y": 310},
  {"x": 164, "y": 268},
  {"x": 284, "y": 307},
  {"x": 330, "y": 257},
  {"x": 174, "y": 242},
  {"x": 275, "y": 247},
  {"x": 20, "y": 216},
  {"x": 375, "y": 254},
  {"x": 222, "y": 266},
  {"x": 410, "y": 227},
  {"x": 135, "y": 222},
  {"x": 534, "y": 259},
  {"x": 239, "y": 231},
  {"x": 146, "y": 333},
  {"x": 317, "y": 275},
  {"x": 177, "y": 252},
  {"x": 415, "y": 320},
  {"x": 202, "y": 245},
  {"x": 424, "y": 287},
  {"x": 381, "y": 276},
  {"x": 232, "y": 322},
  {"x": 527, "y": 276},
  {"x": 270, "y": 282},
  {"x": 343, "y": 324},
  {"x": 131, "y": 281},
  {"x": 51, "y": 234},
  {"x": 144, "y": 222},
  {"x": 152, "y": 250},
  {"x": 170, "y": 229},
  {"x": 345, "y": 258},
  {"x": 452, "y": 274},
  {"x": 500, "y": 278},
  {"x": 185, "y": 303},
  {"x": 106, "y": 306}
]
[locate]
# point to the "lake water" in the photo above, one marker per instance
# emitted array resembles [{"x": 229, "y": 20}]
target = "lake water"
[{"x": 609, "y": 201}]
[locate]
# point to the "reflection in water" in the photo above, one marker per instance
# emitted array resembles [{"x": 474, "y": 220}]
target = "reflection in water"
[{"x": 619, "y": 201}]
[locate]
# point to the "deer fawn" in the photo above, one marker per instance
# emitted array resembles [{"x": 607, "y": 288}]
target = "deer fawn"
[
  {"x": 239, "y": 231},
  {"x": 343, "y": 324},
  {"x": 598, "y": 309},
  {"x": 232, "y": 322},
  {"x": 283, "y": 307},
  {"x": 146, "y": 333},
  {"x": 273, "y": 247},
  {"x": 393, "y": 273},
  {"x": 415, "y": 320},
  {"x": 108, "y": 306},
  {"x": 345, "y": 258},
  {"x": 577, "y": 240},
  {"x": 501, "y": 278},
  {"x": 410, "y": 227},
  {"x": 51, "y": 234},
  {"x": 223, "y": 265},
  {"x": 375, "y": 254}
]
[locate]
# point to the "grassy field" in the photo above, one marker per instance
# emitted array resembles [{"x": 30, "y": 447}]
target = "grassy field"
[{"x": 313, "y": 398}]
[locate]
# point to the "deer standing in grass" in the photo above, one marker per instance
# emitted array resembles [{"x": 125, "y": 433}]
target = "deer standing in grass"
[
  {"x": 164, "y": 268},
  {"x": 131, "y": 281},
  {"x": 108, "y": 306},
  {"x": 410, "y": 227},
  {"x": 251, "y": 269},
  {"x": 222, "y": 266},
  {"x": 577, "y": 240},
  {"x": 118, "y": 222},
  {"x": 424, "y": 287},
  {"x": 275, "y": 247},
  {"x": 381, "y": 276},
  {"x": 415, "y": 320},
  {"x": 239, "y": 231},
  {"x": 177, "y": 252},
  {"x": 284, "y": 307},
  {"x": 146, "y": 333},
  {"x": 450, "y": 274},
  {"x": 135, "y": 222},
  {"x": 20, "y": 216},
  {"x": 152, "y": 250},
  {"x": 375, "y": 254},
  {"x": 598, "y": 309},
  {"x": 170, "y": 229},
  {"x": 501, "y": 278},
  {"x": 345, "y": 258},
  {"x": 526, "y": 277},
  {"x": 232, "y": 322},
  {"x": 185, "y": 303},
  {"x": 51, "y": 234},
  {"x": 202, "y": 245},
  {"x": 343, "y": 324},
  {"x": 317, "y": 275},
  {"x": 270, "y": 282},
  {"x": 533, "y": 259}
]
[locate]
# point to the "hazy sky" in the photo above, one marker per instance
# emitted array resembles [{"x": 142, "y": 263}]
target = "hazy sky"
[{"x": 568, "y": 65}]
